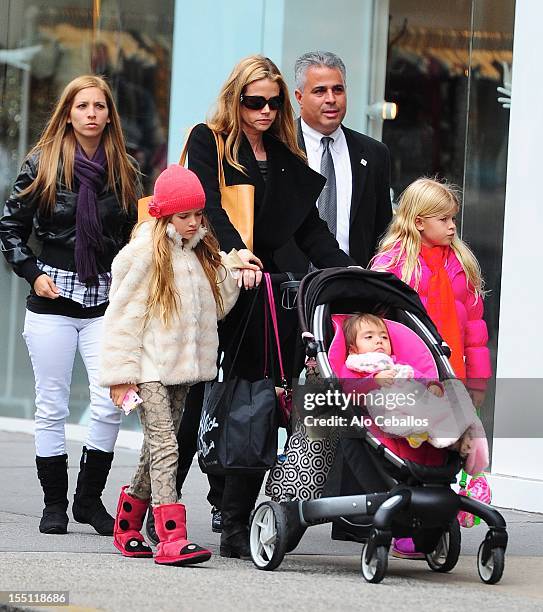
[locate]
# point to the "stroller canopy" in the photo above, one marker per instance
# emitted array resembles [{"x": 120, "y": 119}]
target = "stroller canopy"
[{"x": 358, "y": 290}]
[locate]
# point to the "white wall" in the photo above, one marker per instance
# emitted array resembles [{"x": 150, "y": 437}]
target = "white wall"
[
  {"x": 311, "y": 25},
  {"x": 518, "y": 462}
]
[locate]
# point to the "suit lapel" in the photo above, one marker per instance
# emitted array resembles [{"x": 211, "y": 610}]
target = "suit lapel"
[{"x": 359, "y": 172}]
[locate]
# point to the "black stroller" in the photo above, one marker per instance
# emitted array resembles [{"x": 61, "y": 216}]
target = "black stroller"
[{"x": 397, "y": 497}]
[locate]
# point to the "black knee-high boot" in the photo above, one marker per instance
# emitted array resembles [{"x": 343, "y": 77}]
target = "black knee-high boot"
[
  {"x": 88, "y": 507},
  {"x": 53, "y": 476}
]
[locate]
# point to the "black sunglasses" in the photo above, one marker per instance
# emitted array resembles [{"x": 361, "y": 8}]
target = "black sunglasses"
[{"x": 259, "y": 102}]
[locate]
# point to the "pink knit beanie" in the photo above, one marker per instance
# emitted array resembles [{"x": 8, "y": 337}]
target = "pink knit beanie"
[{"x": 177, "y": 189}]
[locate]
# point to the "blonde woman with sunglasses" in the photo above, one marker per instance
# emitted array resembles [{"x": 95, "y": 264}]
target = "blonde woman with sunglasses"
[{"x": 255, "y": 120}]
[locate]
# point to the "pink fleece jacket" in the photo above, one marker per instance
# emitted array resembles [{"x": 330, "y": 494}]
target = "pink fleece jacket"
[{"x": 469, "y": 309}]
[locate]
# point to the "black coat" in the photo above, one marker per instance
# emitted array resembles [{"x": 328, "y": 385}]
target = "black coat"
[
  {"x": 371, "y": 210},
  {"x": 284, "y": 204},
  {"x": 56, "y": 232},
  {"x": 285, "y": 211}
]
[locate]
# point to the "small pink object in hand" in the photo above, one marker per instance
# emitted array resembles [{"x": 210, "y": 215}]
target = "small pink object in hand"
[{"x": 130, "y": 401}]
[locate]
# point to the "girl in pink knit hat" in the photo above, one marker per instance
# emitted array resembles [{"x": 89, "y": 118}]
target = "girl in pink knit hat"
[{"x": 170, "y": 284}]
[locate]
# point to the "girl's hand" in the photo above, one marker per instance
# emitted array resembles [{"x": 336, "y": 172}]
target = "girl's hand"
[
  {"x": 477, "y": 397},
  {"x": 249, "y": 278},
  {"x": 385, "y": 378},
  {"x": 250, "y": 260},
  {"x": 117, "y": 392},
  {"x": 45, "y": 287}
]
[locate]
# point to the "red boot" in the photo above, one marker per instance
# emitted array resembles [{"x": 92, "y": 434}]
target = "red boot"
[
  {"x": 171, "y": 528},
  {"x": 128, "y": 523}
]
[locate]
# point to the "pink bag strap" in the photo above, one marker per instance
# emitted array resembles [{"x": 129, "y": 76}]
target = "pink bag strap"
[
  {"x": 271, "y": 303},
  {"x": 266, "y": 336}
]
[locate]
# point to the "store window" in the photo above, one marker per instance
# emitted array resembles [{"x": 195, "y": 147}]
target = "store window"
[
  {"x": 43, "y": 46},
  {"x": 441, "y": 66},
  {"x": 444, "y": 66}
]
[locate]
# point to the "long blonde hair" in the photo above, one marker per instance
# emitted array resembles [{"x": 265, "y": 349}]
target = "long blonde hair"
[
  {"x": 57, "y": 145},
  {"x": 226, "y": 119},
  {"x": 164, "y": 300},
  {"x": 426, "y": 197}
]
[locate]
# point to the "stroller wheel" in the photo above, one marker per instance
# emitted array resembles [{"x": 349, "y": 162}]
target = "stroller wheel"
[
  {"x": 268, "y": 535},
  {"x": 445, "y": 556},
  {"x": 490, "y": 571},
  {"x": 375, "y": 569}
]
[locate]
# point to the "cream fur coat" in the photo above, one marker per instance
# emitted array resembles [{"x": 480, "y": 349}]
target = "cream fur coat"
[{"x": 186, "y": 351}]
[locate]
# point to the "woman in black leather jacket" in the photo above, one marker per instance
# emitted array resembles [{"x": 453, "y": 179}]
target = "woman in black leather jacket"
[{"x": 76, "y": 191}]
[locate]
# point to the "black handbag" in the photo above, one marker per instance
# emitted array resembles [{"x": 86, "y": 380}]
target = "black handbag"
[{"x": 239, "y": 422}]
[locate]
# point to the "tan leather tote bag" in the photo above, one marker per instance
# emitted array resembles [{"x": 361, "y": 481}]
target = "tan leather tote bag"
[{"x": 237, "y": 200}]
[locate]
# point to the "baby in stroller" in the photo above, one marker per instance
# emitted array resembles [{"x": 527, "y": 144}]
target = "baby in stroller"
[
  {"x": 445, "y": 422},
  {"x": 379, "y": 486}
]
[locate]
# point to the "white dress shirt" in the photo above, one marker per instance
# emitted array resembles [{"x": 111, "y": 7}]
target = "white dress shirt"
[{"x": 342, "y": 168}]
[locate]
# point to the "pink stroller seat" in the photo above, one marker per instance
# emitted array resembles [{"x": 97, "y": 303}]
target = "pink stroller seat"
[{"x": 408, "y": 348}]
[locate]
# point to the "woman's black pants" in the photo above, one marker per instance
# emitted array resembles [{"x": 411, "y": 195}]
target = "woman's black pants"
[{"x": 239, "y": 498}]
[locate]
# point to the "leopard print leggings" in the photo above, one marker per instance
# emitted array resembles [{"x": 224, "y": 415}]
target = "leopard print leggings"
[{"x": 160, "y": 415}]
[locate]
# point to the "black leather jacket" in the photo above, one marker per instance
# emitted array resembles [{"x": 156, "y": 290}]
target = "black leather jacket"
[{"x": 56, "y": 232}]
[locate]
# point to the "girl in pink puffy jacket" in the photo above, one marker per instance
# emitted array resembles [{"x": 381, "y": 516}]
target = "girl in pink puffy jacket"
[{"x": 422, "y": 248}]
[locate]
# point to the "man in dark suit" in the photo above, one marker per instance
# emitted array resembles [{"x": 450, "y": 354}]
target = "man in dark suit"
[
  {"x": 355, "y": 201},
  {"x": 357, "y": 206}
]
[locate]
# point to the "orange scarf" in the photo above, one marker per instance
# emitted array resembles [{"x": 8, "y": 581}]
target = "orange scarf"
[{"x": 441, "y": 305}]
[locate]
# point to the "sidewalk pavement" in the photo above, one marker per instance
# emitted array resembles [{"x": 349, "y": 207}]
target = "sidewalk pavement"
[{"x": 320, "y": 575}]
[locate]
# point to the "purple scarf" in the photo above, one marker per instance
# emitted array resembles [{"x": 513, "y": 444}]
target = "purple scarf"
[{"x": 88, "y": 228}]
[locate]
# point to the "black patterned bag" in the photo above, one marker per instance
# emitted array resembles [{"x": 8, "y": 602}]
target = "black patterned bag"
[{"x": 238, "y": 426}]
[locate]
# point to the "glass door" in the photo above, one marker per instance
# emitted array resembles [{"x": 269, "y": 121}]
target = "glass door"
[
  {"x": 444, "y": 64},
  {"x": 44, "y": 45}
]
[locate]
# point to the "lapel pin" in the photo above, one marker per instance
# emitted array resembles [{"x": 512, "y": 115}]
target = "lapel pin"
[{"x": 363, "y": 162}]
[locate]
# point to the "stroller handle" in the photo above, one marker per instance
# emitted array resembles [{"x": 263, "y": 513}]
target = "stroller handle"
[
  {"x": 288, "y": 285},
  {"x": 286, "y": 277}
]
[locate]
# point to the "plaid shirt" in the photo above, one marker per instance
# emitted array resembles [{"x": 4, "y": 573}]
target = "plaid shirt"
[{"x": 70, "y": 287}]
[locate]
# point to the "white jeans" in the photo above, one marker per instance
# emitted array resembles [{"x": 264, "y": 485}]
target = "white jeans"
[{"x": 52, "y": 341}]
